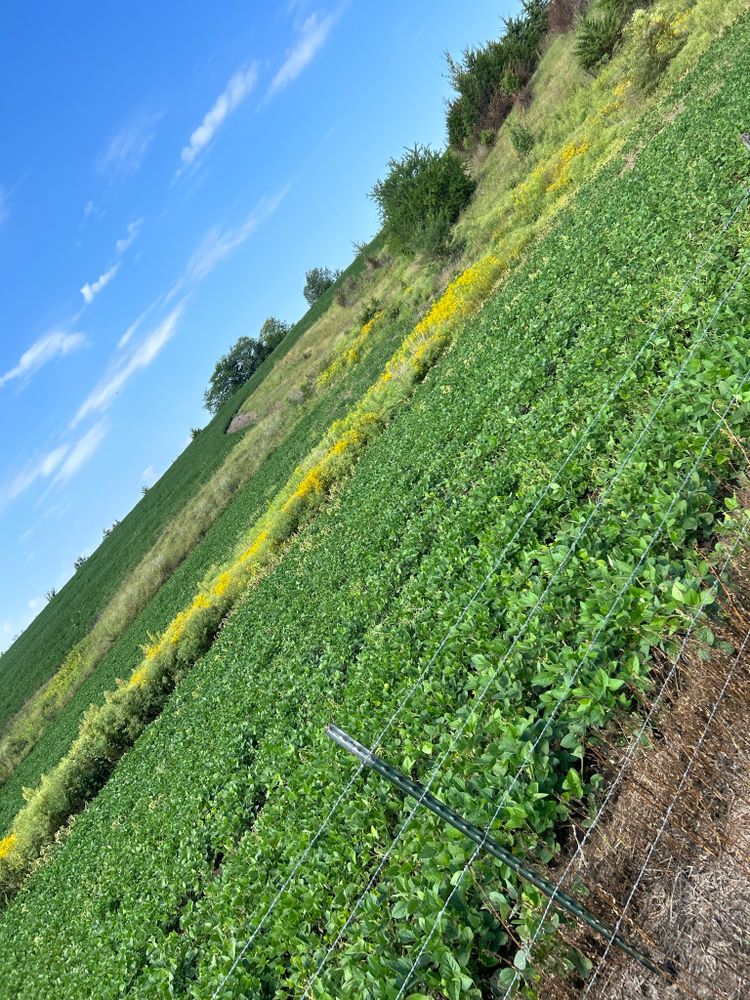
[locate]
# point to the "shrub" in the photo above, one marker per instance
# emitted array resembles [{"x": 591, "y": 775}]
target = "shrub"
[
  {"x": 487, "y": 78},
  {"x": 348, "y": 291},
  {"x": 369, "y": 311},
  {"x": 521, "y": 139},
  {"x": 420, "y": 199},
  {"x": 600, "y": 30},
  {"x": 562, "y": 13},
  {"x": 317, "y": 281},
  {"x": 655, "y": 39},
  {"x": 363, "y": 252}
]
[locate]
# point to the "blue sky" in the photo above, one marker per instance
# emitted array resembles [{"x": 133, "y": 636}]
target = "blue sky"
[{"x": 169, "y": 172}]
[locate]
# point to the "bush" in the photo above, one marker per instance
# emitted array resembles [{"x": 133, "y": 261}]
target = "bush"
[
  {"x": 348, "y": 291},
  {"x": 420, "y": 199},
  {"x": 600, "y": 30},
  {"x": 562, "y": 14},
  {"x": 317, "y": 281},
  {"x": 487, "y": 79},
  {"x": 654, "y": 40},
  {"x": 521, "y": 139},
  {"x": 369, "y": 311}
]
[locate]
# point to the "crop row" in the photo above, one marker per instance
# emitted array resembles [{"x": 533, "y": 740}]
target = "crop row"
[{"x": 164, "y": 877}]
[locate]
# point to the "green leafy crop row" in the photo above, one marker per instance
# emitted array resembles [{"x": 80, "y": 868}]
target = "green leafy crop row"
[{"x": 161, "y": 880}]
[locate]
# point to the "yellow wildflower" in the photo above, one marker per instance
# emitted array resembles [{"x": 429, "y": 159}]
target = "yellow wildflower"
[
  {"x": 7, "y": 845},
  {"x": 255, "y": 547},
  {"x": 138, "y": 677},
  {"x": 222, "y": 583},
  {"x": 151, "y": 651},
  {"x": 562, "y": 172},
  {"x": 311, "y": 482}
]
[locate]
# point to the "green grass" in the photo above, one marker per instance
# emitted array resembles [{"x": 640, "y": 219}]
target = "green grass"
[{"x": 162, "y": 877}]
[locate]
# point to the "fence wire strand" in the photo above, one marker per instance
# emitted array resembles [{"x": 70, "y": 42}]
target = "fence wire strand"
[
  {"x": 738, "y": 208},
  {"x": 668, "y": 813},
  {"x": 627, "y": 760},
  {"x": 480, "y": 698}
]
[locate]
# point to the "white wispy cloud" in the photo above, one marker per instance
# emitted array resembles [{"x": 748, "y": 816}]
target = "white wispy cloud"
[
  {"x": 143, "y": 355},
  {"x": 149, "y": 476},
  {"x": 79, "y": 454},
  {"x": 314, "y": 31},
  {"x": 127, "y": 148},
  {"x": 126, "y": 337},
  {"x": 52, "y": 345},
  {"x": 90, "y": 291},
  {"x": 219, "y": 243},
  {"x": 235, "y": 92},
  {"x": 131, "y": 234},
  {"x": 42, "y": 466}
]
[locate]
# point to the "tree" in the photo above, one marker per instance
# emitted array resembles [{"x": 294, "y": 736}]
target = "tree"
[
  {"x": 232, "y": 370},
  {"x": 238, "y": 364},
  {"x": 487, "y": 79},
  {"x": 79, "y": 562},
  {"x": 317, "y": 281},
  {"x": 51, "y": 594},
  {"x": 420, "y": 199},
  {"x": 272, "y": 333}
]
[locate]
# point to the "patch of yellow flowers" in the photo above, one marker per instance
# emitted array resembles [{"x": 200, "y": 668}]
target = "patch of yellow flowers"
[
  {"x": 6, "y": 845},
  {"x": 462, "y": 297},
  {"x": 561, "y": 174},
  {"x": 352, "y": 355}
]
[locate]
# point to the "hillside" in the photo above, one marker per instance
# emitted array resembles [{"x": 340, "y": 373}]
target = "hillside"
[{"x": 476, "y": 509}]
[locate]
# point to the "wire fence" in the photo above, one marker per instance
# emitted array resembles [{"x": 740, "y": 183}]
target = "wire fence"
[
  {"x": 585, "y": 434},
  {"x": 696, "y": 343},
  {"x": 669, "y": 810},
  {"x": 635, "y": 743}
]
